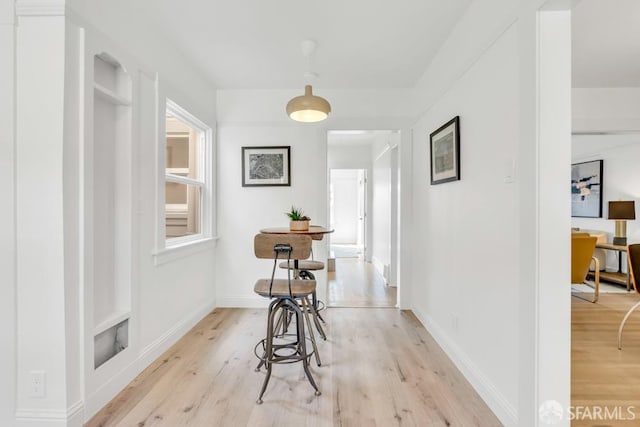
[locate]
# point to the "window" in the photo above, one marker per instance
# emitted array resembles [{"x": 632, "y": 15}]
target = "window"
[{"x": 188, "y": 164}]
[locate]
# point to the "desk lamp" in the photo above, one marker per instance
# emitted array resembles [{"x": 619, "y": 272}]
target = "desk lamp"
[{"x": 621, "y": 211}]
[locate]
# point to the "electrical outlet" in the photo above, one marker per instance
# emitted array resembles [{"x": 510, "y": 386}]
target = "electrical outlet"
[{"x": 38, "y": 383}]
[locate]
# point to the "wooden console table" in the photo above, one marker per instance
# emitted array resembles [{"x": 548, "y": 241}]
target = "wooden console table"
[{"x": 615, "y": 276}]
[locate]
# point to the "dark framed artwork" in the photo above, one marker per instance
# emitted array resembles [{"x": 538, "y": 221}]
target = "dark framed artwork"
[
  {"x": 445, "y": 152},
  {"x": 266, "y": 166},
  {"x": 586, "y": 189}
]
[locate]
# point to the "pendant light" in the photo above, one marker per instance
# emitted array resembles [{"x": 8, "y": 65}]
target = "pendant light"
[{"x": 308, "y": 108}]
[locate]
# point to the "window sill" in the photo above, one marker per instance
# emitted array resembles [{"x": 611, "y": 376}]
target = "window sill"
[{"x": 182, "y": 250}]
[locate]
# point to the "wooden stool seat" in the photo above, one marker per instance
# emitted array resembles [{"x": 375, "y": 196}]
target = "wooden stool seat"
[
  {"x": 280, "y": 288},
  {"x": 307, "y": 264}
]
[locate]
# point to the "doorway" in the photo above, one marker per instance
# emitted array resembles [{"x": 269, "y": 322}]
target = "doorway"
[
  {"x": 605, "y": 134},
  {"x": 362, "y": 198}
]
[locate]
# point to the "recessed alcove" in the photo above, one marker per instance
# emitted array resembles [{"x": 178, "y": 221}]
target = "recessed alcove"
[{"x": 110, "y": 213}]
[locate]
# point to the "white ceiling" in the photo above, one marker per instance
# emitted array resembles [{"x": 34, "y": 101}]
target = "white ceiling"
[
  {"x": 606, "y": 43},
  {"x": 256, "y": 43},
  {"x": 362, "y": 44}
]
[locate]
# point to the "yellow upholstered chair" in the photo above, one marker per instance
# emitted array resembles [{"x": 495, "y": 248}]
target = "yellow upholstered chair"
[
  {"x": 633, "y": 256},
  {"x": 582, "y": 246}
]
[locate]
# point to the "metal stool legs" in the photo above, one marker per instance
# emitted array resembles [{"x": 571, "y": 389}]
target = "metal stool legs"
[
  {"x": 284, "y": 320},
  {"x": 304, "y": 274},
  {"x": 297, "y": 350}
]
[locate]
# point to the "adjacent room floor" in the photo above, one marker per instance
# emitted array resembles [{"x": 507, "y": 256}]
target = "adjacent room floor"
[
  {"x": 357, "y": 283},
  {"x": 602, "y": 375},
  {"x": 379, "y": 367}
]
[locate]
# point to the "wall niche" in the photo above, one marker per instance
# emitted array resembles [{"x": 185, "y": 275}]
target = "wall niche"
[{"x": 111, "y": 207}]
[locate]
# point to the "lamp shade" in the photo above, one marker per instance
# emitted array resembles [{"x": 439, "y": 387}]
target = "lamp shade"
[
  {"x": 622, "y": 210},
  {"x": 308, "y": 108}
]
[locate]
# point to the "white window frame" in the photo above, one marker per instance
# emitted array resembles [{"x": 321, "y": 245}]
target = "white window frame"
[{"x": 168, "y": 249}]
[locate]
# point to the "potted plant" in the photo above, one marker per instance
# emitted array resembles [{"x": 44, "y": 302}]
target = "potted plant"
[{"x": 299, "y": 221}]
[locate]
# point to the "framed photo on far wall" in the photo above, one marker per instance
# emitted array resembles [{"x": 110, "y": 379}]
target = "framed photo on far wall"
[
  {"x": 445, "y": 152},
  {"x": 586, "y": 189},
  {"x": 266, "y": 166}
]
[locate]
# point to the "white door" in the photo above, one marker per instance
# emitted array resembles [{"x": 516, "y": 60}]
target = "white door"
[{"x": 346, "y": 207}]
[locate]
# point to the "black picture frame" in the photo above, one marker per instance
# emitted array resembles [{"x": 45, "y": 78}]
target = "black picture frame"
[
  {"x": 586, "y": 189},
  {"x": 268, "y": 166},
  {"x": 444, "y": 152}
]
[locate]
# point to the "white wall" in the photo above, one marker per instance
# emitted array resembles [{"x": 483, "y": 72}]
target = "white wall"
[
  {"x": 348, "y": 156},
  {"x": 166, "y": 299},
  {"x": 39, "y": 183},
  {"x": 466, "y": 229},
  {"x": 7, "y": 215},
  {"x": 381, "y": 212}
]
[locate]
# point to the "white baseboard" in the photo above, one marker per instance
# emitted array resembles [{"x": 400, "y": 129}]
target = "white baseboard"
[
  {"x": 243, "y": 302},
  {"x": 147, "y": 355},
  {"x": 497, "y": 402},
  {"x": 71, "y": 417}
]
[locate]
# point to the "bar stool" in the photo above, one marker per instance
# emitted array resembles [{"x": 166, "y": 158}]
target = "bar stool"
[{"x": 282, "y": 347}]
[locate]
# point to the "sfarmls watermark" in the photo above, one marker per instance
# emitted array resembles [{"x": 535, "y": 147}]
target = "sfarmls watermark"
[{"x": 551, "y": 412}]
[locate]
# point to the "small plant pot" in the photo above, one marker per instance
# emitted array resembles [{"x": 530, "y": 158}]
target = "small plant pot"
[{"x": 299, "y": 225}]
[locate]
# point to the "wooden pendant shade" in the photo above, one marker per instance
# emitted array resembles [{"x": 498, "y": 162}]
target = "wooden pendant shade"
[{"x": 308, "y": 108}]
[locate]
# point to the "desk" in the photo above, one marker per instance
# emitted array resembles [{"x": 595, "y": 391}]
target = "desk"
[{"x": 615, "y": 276}]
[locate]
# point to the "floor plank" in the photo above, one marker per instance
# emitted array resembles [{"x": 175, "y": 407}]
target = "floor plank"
[
  {"x": 380, "y": 367},
  {"x": 601, "y": 375}
]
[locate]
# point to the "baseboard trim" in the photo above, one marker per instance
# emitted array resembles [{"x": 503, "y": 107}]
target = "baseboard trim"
[
  {"x": 497, "y": 402},
  {"x": 150, "y": 353},
  {"x": 242, "y": 302},
  {"x": 71, "y": 417}
]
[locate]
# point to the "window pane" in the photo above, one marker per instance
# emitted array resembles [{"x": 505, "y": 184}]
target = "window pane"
[
  {"x": 183, "y": 148},
  {"x": 182, "y": 209}
]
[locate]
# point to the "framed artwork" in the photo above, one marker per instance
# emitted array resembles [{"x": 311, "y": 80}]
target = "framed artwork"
[
  {"x": 445, "y": 152},
  {"x": 266, "y": 166},
  {"x": 586, "y": 189}
]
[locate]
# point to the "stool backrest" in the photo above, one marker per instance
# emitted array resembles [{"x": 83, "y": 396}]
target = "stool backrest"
[
  {"x": 633, "y": 255},
  {"x": 263, "y": 245}
]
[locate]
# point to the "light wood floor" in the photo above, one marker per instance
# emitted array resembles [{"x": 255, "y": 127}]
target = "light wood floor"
[
  {"x": 356, "y": 283},
  {"x": 380, "y": 368},
  {"x": 602, "y": 375}
]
